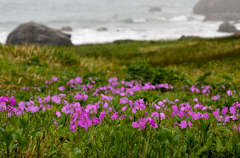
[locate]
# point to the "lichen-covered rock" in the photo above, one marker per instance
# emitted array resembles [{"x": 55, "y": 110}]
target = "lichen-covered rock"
[{"x": 33, "y": 33}]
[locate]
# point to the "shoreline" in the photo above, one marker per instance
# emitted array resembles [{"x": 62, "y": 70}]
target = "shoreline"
[{"x": 182, "y": 38}]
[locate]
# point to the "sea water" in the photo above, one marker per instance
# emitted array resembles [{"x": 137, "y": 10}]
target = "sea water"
[{"x": 124, "y": 19}]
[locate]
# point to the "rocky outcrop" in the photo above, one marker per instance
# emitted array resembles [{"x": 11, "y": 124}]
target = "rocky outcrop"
[
  {"x": 227, "y": 27},
  {"x": 218, "y": 9},
  {"x": 33, "y": 33},
  {"x": 206, "y": 7},
  {"x": 155, "y": 9},
  {"x": 66, "y": 28},
  {"x": 223, "y": 17}
]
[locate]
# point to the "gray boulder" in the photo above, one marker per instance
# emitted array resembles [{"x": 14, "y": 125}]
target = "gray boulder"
[
  {"x": 33, "y": 33},
  {"x": 102, "y": 29},
  {"x": 155, "y": 9},
  {"x": 227, "y": 27},
  {"x": 66, "y": 28},
  {"x": 206, "y": 7},
  {"x": 227, "y": 16}
]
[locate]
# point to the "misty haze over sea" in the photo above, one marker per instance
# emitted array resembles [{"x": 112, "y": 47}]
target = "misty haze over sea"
[{"x": 124, "y": 19}]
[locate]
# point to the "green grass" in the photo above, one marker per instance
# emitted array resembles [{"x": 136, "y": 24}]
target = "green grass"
[
  {"x": 23, "y": 66},
  {"x": 199, "y": 62}
]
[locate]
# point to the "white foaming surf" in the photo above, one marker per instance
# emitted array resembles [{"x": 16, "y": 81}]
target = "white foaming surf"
[{"x": 123, "y": 19}]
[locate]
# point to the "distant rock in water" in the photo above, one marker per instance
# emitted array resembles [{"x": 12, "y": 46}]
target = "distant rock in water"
[
  {"x": 33, "y": 33},
  {"x": 227, "y": 27},
  {"x": 206, "y": 7},
  {"x": 102, "y": 29},
  {"x": 223, "y": 17},
  {"x": 155, "y": 9},
  {"x": 66, "y": 28}
]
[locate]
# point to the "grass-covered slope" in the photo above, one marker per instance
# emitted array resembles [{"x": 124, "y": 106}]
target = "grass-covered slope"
[{"x": 24, "y": 66}]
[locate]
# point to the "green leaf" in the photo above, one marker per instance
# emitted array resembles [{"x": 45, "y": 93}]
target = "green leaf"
[
  {"x": 19, "y": 131},
  {"x": 13, "y": 147},
  {"x": 190, "y": 139},
  {"x": 51, "y": 153},
  {"x": 7, "y": 138},
  {"x": 229, "y": 145},
  {"x": 176, "y": 139},
  {"x": 2, "y": 130},
  {"x": 168, "y": 135},
  {"x": 77, "y": 154},
  {"x": 146, "y": 147},
  {"x": 219, "y": 146},
  {"x": 9, "y": 128},
  {"x": 178, "y": 119}
]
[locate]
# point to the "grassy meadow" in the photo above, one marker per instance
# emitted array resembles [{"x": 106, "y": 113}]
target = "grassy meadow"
[{"x": 122, "y": 99}]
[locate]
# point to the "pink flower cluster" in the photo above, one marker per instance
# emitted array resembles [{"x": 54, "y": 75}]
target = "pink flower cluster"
[{"x": 140, "y": 113}]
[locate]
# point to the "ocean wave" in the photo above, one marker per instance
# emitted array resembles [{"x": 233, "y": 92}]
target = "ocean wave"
[
  {"x": 3, "y": 37},
  {"x": 161, "y": 19},
  {"x": 139, "y": 20},
  {"x": 179, "y": 18}
]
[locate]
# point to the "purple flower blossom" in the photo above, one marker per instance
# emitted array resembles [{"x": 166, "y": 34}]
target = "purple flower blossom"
[
  {"x": 175, "y": 124},
  {"x": 135, "y": 125},
  {"x": 101, "y": 116},
  {"x": 190, "y": 124},
  {"x": 181, "y": 114},
  {"x": 62, "y": 88},
  {"x": 162, "y": 116},
  {"x": 114, "y": 116},
  {"x": 152, "y": 123},
  {"x": 226, "y": 119},
  {"x": 233, "y": 110},
  {"x": 55, "y": 122},
  {"x": 196, "y": 116},
  {"x": 124, "y": 108},
  {"x": 142, "y": 123},
  {"x": 224, "y": 110},
  {"x": 78, "y": 80},
  {"x": 174, "y": 107},
  {"x": 155, "y": 115},
  {"x": 217, "y": 97},
  {"x": 229, "y": 92},
  {"x": 58, "y": 113},
  {"x": 95, "y": 120},
  {"x": 130, "y": 117},
  {"x": 55, "y": 78},
  {"x": 195, "y": 99},
  {"x": 177, "y": 100},
  {"x": 157, "y": 107},
  {"x": 215, "y": 113},
  {"x": 206, "y": 116},
  {"x": 193, "y": 88},
  {"x": 56, "y": 99},
  {"x": 122, "y": 117},
  {"x": 183, "y": 124}
]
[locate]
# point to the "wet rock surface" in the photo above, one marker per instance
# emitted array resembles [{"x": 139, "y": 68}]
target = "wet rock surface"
[{"x": 33, "y": 33}]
